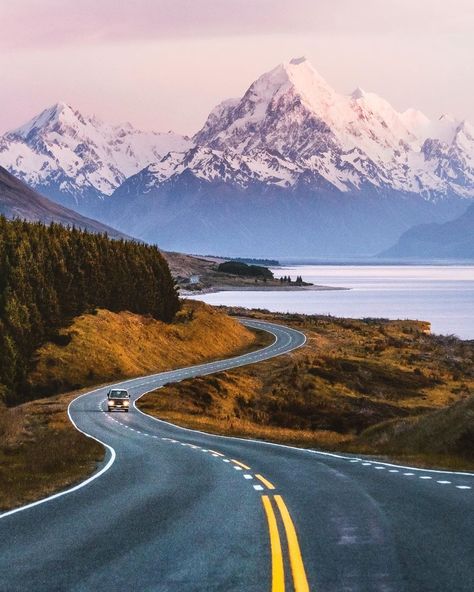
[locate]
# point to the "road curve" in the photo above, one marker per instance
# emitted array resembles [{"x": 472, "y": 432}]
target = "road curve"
[{"x": 172, "y": 509}]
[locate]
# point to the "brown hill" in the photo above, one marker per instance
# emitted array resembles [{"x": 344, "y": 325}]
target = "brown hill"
[{"x": 17, "y": 200}]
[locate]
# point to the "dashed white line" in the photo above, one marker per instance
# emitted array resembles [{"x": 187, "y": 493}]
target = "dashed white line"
[
  {"x": 444, "y": 482},
  {"x": 247, "y": 476},
  {"x": 258, "y": 487},
  {"x": 463, "y": 486}
]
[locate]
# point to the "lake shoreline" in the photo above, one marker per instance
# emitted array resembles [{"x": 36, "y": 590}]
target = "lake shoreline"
[
  {"x": 441, "y": 295},
  {"x": 260, "y": 288}
]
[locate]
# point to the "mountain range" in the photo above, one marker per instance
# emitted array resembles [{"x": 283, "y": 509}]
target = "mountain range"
[
  {"x": 451, "y": 240},
  {"x": 291, "y": 168},
  {"x": 79, "y": 160},
  {"x": 17, "y": 200}
]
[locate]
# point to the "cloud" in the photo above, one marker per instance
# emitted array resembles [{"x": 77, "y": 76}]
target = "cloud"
[{"x": 50, "y": 23}]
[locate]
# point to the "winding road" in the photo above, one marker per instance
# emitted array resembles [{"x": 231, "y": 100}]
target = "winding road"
[{"x": 176, "y": 510}]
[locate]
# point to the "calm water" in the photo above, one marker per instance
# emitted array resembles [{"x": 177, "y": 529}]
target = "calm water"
[{"x": 443, "y": 295}]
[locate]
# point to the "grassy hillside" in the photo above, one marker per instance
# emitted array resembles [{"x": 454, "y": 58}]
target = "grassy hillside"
[
  {"x": 444, "y": 437},
  {"x": 18, "y": 200},
  {"x": 351, "y": 376},
  {"x": 40, "y": 451},
  {"x": 51, "y": 274},
  {"x": 106, "y": 346}
]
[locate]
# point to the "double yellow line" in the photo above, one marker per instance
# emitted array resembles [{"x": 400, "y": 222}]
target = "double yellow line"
[{"x": 300, "y": 581}]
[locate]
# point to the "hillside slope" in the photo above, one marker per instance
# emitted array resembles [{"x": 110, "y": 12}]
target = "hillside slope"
[
  {"x": 451, "y": 240},
  {"x": 340, "y": 392},
  {"x": 442, "y": 435},
  {"x": 17, "y": 200},
  {"x": 50, "y": 274},
  {"x": 108, "y": 346},
  {"x": 103, "y": 347}
]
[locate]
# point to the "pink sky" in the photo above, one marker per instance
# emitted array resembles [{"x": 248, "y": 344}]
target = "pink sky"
[{"x": 163, "y": 64}]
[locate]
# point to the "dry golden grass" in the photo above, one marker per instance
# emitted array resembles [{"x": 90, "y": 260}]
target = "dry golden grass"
[
  {"x": 246, "y": 429},
  {"x": 442, "y": 437},
  {"x": 352, "y": 375},
  {"x": 40, "y": 451},
  {"x": 108, "y": 346}
]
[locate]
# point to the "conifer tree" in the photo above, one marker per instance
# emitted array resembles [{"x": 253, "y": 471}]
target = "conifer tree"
[{"x": 50, "y": 274}]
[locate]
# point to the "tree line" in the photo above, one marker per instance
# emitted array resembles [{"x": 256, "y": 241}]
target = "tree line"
[
  {"x": 286, "y": 279},
  {"x": 235, "y": 267},
  {"x": 50, "y": 274}
]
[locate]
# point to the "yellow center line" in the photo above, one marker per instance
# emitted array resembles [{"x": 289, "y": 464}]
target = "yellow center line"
[
  {"x": 266, "y": 482},
  {"x": 240, "y": 464},
  {"x": 215, "y": 452},
  {"x": 278, "y": 574},
  {"x": 296, "y": 561}
]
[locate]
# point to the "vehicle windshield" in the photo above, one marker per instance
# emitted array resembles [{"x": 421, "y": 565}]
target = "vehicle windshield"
[{"x": 118, "y": 394}]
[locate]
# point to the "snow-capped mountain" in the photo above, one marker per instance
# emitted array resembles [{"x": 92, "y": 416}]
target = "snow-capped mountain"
[
  {"x": 294, "y": 167},
  {"x": 290, "y": 168},
  {"x": 75, "y": 158},
  {"x": 350, "y": 140}
]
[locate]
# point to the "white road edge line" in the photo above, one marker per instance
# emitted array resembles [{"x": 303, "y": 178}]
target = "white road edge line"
[
  {"x": 318, "y": 452},
  {"x": 80, "y": 485},
  {"x": 307, "y": 450},
  {"x": 174, "y": 373},
  {"x": 113, "y": 454}
]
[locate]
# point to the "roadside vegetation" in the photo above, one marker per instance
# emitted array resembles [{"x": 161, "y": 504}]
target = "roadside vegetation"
[
  {"x": 51, "y": 274},
  {"x": 106, "y": 346},
  {"x": 370, "y": 386},
  {"x": 40, "y": 450}
]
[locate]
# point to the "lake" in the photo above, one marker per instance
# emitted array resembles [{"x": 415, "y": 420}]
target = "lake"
[{"x": 440, "y": 294}]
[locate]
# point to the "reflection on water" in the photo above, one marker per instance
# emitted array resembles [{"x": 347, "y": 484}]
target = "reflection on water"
[{"x": 443, "y": 295}]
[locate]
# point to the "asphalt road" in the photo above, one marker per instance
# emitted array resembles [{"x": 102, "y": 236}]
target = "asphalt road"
[{"x": 177, "y": 510}]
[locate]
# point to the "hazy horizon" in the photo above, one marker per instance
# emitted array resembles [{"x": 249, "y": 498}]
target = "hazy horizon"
[{"x": 141, "y": 62}]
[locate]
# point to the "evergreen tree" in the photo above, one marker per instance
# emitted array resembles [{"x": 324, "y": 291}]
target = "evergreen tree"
[{"x": 50, "y": 274}]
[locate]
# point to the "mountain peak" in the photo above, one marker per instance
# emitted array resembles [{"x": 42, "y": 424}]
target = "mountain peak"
[
  {"x": 60, "y": 106},
  {"x": 59, "y": 112},
  {"x": 358, "y": 93},
  {"x": 298, "y": 61},
  {"x": 308, "y": 83},
  {"x": 447, "y": 117}
]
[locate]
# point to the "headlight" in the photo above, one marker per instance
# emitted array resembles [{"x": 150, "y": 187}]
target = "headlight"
[
  {"x": 111, "y": 403},
  {"x": 126, "y": 403}
]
